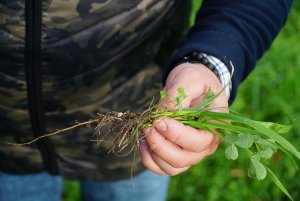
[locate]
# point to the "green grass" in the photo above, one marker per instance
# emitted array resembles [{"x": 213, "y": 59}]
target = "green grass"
[{"x": 270, "y": 93}]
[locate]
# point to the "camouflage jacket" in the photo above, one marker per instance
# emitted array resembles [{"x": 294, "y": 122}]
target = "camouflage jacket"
[{"x": 63, "y": 61}]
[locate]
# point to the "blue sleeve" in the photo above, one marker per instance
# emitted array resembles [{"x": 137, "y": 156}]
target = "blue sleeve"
[{"x": 235, "y": 30}]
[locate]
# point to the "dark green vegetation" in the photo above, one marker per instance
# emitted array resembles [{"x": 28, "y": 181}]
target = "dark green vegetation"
[{"x": 270, "y": 93}]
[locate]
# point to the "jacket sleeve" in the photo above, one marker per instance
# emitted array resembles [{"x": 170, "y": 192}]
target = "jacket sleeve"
[{"x": 239, "y": 31}]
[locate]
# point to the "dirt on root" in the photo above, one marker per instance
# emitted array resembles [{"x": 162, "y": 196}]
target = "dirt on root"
[{"x": 124, "y": 127}]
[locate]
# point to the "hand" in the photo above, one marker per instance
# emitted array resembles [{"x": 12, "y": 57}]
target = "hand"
[{"x": 171, "y": 147}]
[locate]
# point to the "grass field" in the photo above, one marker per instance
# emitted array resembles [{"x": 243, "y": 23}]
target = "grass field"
[{"x": 270, "y": 93}]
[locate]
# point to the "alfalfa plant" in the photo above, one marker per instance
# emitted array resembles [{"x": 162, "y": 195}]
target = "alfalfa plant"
[{"x": 259, "y": 140}]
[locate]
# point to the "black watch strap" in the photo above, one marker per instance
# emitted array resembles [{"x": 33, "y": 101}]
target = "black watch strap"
[{"x": 198, "y": 57}]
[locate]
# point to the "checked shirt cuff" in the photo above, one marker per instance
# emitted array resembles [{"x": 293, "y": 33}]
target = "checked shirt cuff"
[{"x": 222, "y": 72}]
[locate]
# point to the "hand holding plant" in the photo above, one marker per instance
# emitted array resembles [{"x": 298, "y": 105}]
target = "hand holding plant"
[
  {"x": 260, "y": 140},
  {"x": 170, "y": 147}
]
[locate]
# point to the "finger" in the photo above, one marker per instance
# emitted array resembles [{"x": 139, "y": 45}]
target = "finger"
[
  {"x": 167, "y": 168},
  {"x": 147, "y": 159},
  {"x": 188, "y": 138},
  {"x": 165, "y": 149},
  {"x": 172, "y": 154},
  {"x": 212, "y": 149}
]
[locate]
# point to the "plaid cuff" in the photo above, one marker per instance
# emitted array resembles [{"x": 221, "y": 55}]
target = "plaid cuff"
[{"x": 222, "y": 72}]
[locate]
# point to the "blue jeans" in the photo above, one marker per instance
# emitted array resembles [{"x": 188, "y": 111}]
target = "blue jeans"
[{"x": 44, "y": 187}]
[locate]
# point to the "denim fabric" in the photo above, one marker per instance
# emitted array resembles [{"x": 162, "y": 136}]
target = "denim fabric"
[
  {"x": 31, "y": 187},
  {"x": 146, "y": 186}
]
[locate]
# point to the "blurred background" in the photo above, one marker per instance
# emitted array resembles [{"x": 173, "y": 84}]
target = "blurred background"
[{"x": 270, "y": 93}]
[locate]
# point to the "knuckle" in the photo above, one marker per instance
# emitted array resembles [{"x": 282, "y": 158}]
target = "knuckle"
[
  {"x": 175, "y": 136},
  {"x": 154, "y": 147},
  {"x": 200, "y": 145},
  {"x": 154, "y": 144},
  {"x": 203, "y": 143},
  {"x": 197, "y": 148}
]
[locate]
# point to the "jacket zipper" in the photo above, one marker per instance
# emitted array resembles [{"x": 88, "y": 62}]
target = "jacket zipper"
[{"x": 33, "y": 11}]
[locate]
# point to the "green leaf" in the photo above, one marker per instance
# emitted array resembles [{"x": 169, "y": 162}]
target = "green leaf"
[
  {"x": 278, "y": 128},
  {"x": 278, "y": 183},
  {"x": 231, "y": 152},
  {"x": 266, "y": 153},
  {"x": 164, "y": 94},
  {"x": 181, "y": 93},
  {"x": 177, "y": 100},
  {"x": 181, "y": 96},
  {"x": 261, "y": 130},
  {"x": 258, "y": 169},
  {"x": 265, "y": 143},
  {"x": 245, "y": 141},
  {"x": 230, "y": 138},
  {"x": 178, "y": 103},
  {"x": 279, "y": 139},
  {"x": 222, "y": 126},
  {"x": 251, "y": 171}
]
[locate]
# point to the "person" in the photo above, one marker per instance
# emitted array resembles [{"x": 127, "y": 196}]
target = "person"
[{"x": 63, "y": 61}]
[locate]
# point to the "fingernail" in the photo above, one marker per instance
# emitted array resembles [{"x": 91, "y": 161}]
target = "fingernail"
[{"x": 160, "y": 125}]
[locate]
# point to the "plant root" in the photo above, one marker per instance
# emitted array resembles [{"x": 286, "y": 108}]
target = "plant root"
[{"x": 123, "y": 130}]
